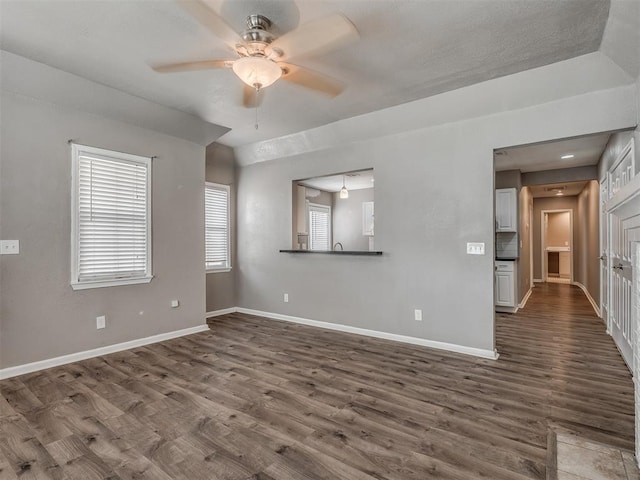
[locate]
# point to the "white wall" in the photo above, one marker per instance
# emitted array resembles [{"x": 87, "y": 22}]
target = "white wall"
[
  {"x": 434, "y": 193},
  {"x": 40, "y": 315}
]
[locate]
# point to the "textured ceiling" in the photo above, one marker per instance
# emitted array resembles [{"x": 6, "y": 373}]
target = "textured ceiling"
[
  {"x": 408, "y": 49},
  {"x": 568, "y": 189},
  {"x": 546, "y": 156}
]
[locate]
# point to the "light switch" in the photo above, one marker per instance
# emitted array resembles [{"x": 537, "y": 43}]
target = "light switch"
[
  {"x": 9, "y": 247},
  {"x": 475, "y": 248}
]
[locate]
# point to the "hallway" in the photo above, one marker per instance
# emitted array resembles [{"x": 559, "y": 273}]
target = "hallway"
[{"x": 568, "y": 355}]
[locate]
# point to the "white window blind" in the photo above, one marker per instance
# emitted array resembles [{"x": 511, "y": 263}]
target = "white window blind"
[
  {"x": 319, "y": 227},
  {"x": 216, "y": 206},
  {"x": 111, "y": 228}
]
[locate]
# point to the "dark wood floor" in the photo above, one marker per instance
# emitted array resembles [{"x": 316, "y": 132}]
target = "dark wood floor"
[{"x": 261, "y": 399}]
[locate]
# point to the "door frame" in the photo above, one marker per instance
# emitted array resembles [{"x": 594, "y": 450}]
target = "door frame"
[
  {"x": 531, "y": 262},
  {"x": 543, "y": 242},
  {"x": 603, "y": 247}
]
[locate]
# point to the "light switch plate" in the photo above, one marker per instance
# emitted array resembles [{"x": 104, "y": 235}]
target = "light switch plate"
[
  {"x": 475, "y": 248},
  {"x": 9, "y": 247}
]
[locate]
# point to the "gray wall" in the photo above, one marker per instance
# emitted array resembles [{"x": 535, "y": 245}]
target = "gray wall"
[
  {"x": 434, "y": 192},
  {"x": 347, "y": 219},
  {"x": 509, "y": 179},
  {"x": 221, "y": 286},
  {"x": 552, "y": 203},
  {"x": 41, "y": 316},
  {"x": 561, "y": 175},
  {"x": 587, "y": 265}
]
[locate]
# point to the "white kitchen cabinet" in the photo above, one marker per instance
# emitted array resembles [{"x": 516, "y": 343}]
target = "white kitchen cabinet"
[
  {"x": 506, "y": 210},
  {"x": 505, "y": 286}
]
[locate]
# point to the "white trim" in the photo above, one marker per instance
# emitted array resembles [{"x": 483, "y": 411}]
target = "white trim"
[
  {"x": 589, "y": 297},
  {"x": 96, "y": 352},
  {"x": 524, "y": 300},
  {"x": 324, "y": 209},
  {"x": 538, "y": 280},
  {"x": 501, "y": 309},
  {"x": 226, "y": 188},
  {"x": 217, "y": 313},
  {"x": 477, "y": 352},
  {"x": 543, "y": 241},
  {"x": 110, "y": 283},
  {"x": 76, "y": 151}
]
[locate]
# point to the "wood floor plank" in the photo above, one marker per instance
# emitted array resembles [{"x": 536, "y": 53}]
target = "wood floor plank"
[{"x": 259, "y": 399}]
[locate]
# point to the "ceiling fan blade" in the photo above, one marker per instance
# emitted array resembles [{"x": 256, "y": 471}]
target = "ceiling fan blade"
[
  {"x": 190, "y": 66},
  {"x": 310, "y": 79},
  {"x": 314, "y": 37},
  {"x": 250, "y": 97},
  {"x": 209, "y": 19}
]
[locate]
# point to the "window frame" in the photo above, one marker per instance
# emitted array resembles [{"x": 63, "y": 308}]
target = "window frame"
[
  {"x": 228, "y": 266},
  {"x": 325, "y": 209},
  {"x": 76, "y": 152}
]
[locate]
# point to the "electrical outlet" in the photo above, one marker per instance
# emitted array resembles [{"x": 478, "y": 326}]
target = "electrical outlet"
[
  {"x": 417, "y": 315},
  {"x": 9, "y": 247},
  {"x": 175, "y": 303},
  {"x": 286, "y": 298},
  {"x": 101, "y": 322},
  {"x": 475, "y": 248}
]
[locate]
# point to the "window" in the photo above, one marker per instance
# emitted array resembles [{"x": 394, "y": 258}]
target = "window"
[
  {"x": 216, "y": 207},
  {"x": 110, "y": 218},
  {"x": 319, "y": 227}
]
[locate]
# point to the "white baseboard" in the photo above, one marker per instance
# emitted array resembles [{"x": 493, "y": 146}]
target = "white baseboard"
[
  {"x": 118, "y": 347},
  {"x": 217, "y": 313},
  {"x": 595, "y": 306},
  {"x": 524, "y": 300},
  {"x": 477, "y": 352},
  {"x": 96, "y": 352},
  {"x": 537, "y": 280}
]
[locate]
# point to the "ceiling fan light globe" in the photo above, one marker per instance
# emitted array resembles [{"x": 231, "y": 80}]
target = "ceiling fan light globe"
[{"x": 257, "y": 72}]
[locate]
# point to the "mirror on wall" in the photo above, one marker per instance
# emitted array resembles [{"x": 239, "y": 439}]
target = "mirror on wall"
[{"x": 334, "y": 212}]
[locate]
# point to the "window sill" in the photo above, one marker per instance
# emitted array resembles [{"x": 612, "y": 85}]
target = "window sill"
[
  {"x": 335, "y": 252},
  {"x": 110, "y": 283},
  {"x": 219, "y": 270}
]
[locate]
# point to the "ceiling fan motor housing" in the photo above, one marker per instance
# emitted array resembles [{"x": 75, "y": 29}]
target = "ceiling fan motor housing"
[{"x": 256, "y": 37}]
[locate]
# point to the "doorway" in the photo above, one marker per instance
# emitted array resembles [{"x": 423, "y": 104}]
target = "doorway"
[{"x": 557, "y": 246}]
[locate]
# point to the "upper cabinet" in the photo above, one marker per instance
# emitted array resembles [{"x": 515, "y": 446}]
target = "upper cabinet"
[{"x": 506, "y": 210}]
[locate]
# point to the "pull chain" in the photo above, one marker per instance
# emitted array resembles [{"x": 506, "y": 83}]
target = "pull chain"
[{"x": 257, "y": 102}]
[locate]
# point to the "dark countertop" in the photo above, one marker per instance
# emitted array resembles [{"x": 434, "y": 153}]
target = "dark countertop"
[
  {"x": 508, "y": 259},
  {"x": 335, "y": 252}
]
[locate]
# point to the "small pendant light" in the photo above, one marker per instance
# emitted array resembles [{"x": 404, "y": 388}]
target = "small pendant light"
[{"x": 344, "y": 193}]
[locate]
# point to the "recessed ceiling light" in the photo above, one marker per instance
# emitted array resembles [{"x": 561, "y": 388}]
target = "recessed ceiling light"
[{"x": 568, "y": 156}]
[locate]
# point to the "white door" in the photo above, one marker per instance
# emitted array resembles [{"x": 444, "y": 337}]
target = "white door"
[
  {"x": 604, "y": 252},
  {"x": 621, "y": 283}
]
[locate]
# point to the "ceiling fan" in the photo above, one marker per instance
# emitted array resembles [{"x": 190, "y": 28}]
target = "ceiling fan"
[{"x": 262, "y": 55}]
